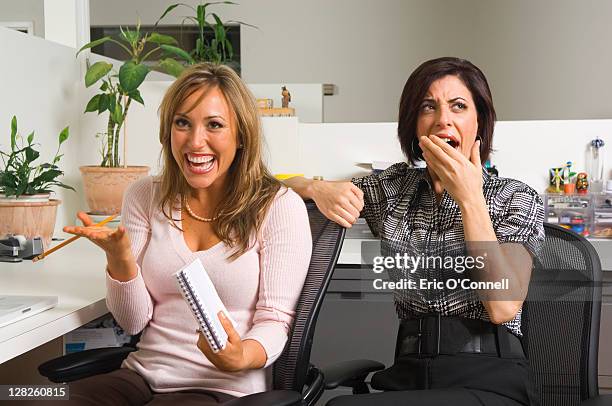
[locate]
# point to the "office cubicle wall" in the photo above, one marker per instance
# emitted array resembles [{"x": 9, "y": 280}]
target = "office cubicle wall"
[
  {"x": 524, "y": 150},
  {"x": 39, "y": 85}
]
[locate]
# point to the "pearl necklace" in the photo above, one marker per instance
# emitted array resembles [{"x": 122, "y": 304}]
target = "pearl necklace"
[{"x": 195, "y": 216}]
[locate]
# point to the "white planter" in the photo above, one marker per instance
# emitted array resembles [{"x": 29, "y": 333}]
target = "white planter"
[{"x": 42, "y": 197}]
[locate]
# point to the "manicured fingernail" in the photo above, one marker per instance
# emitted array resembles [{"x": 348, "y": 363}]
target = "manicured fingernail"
[{"x": 222, "y": 315}]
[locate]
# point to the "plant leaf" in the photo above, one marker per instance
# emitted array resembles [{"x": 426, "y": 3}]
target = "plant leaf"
[
  {"x": 129, "y": 36},
  {"x": 31, "y": 138},
  {"x": 47, "y": 176},
  {"x": 13, "y": 133},
  {"x": 93, "y": 44},
  {"x": 131, "y": 75},
  {"x": 104, "y": 86},
  {"x": 21, "y": 189},
  {"x": 97, "y": 71},
  {"x": 178, "y": 52},
  {"x": 93, "y": 103},
  {"x": 112, "y": 102},
  {"x": 60, "y": 184},
  {"x": 103, "y": 103},
  {"x": 135, "y": 94},
  {"x": 117, "y": 114},
  {"x": 7, "y": 179},
  {"x": 230, "y": 49},
  {"x": 63, "y": 136},
  {"x": 171, "y": 67},
  {"x": 162, "y": 39},
  {"x": 169, "y": 9},
  {"x": 219, "y": 28},
  {"x": 31, "y": 155},
  {"x": 201, "y": 15}
]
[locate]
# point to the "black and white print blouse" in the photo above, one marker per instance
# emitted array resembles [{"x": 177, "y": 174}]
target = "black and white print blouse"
[{"x": 401, "y": 209}]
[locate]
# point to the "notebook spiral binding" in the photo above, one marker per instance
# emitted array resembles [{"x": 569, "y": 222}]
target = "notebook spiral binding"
[{"x": 206, "y": 326}]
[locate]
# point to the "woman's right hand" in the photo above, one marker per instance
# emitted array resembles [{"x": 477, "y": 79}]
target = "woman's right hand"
[
  {"x": 340, "y": 202},
  {"x": 114, "y": 242}
]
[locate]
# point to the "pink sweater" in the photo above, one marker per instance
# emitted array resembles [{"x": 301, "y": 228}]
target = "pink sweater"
[{"x": 260, "y": 290}]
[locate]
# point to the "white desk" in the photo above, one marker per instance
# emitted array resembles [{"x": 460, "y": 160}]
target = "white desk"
[{"x": 76, "y": 274}]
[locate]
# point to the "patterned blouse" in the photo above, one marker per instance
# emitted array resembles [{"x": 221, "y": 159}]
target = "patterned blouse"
[{"x": 400, "y": 208}]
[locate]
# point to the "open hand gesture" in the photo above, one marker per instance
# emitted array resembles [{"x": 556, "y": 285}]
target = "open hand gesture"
[{"x": 114, "y": 242}]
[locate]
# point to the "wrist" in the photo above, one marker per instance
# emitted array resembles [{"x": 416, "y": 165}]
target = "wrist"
[
  {"x": 246, "y": 359},
  {"x": 472, "y": 204},
  {"x": 253, "y": 355},
  {"x": 121, "y": 269},
  {"x": 313, "y": 188}
]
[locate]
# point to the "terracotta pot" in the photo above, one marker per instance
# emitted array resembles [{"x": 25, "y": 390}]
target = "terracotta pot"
[
  {"x": 104, "y": 187},
  {"x": 31, "y": 219}
]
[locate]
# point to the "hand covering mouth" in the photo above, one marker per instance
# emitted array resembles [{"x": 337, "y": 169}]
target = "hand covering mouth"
[{"x": 450, "y": 139}]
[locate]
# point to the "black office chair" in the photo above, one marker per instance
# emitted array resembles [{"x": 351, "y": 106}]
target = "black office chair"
[
  {"x": 561, "y": 321},
  {"x": 295, "y": 380},
  {"x": 560, "y": 324}
]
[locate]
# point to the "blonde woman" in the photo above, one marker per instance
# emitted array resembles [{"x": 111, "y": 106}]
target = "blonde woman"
[{"x": 216, "y": 201}]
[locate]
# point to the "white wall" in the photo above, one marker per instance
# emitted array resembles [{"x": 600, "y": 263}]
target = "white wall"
[
  {"x": 545, "y": 59},
  {"x": 46, "y": 100},
  {"x": 24, "y": 10},
  {"x": 41, "y": 89},
  {"x": 524, "y": 150}
]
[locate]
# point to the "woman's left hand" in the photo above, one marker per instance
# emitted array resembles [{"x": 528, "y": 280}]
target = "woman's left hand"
[
  {"x": 460, "y": 177},
  {"x": 233, "y": 357}
]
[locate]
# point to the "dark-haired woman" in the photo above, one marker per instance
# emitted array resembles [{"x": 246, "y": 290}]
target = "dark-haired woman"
[{"x": 455, "y": 344}]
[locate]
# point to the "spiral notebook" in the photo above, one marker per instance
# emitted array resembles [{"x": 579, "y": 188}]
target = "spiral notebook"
[{"x": 204, "y": 302}]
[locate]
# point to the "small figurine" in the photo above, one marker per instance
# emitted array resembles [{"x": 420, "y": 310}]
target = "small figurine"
[
  {"x": 567, "y": 173},
  {"x": 491, "y": 169},
  {"x": 582, "y": 183},
  {"x": 286, "y": 97},
  {"x": 555, "y": 180}
]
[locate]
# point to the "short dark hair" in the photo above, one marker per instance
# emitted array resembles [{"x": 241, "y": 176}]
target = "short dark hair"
[{"x": 416, "y": 88}]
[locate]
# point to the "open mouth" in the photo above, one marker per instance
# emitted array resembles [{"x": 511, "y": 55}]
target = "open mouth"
[
  {"x": 200, "y": 163},
  {"x": 451, "y": 142},
  {"x": 449, "y": 138}
]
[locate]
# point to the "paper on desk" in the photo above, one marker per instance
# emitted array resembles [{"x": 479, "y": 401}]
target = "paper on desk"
[{"x": 89, "y": 338}]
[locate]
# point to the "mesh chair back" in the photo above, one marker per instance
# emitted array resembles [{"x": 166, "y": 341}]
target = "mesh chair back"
[
  {"x": 291, "y": 368},
  {"x": 561, "y": 318}
]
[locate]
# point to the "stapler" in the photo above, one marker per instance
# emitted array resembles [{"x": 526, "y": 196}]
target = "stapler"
[{"x": 16, "y": 248}]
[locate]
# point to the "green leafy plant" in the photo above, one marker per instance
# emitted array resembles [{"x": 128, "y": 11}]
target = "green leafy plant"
[
  {"x": 217, "y": 49},
  {"x": 19, "y": 176},
  {"x": 118, "y": 89}
]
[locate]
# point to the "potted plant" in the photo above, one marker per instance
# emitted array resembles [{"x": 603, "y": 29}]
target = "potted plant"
[
  {"x": 104, "y": 184},
  {"x": 25, "y": 204},
  {"x": 217, "y": 49}
]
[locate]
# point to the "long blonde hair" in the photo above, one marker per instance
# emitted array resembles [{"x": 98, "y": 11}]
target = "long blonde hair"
[{"x": 251, "y": 187}]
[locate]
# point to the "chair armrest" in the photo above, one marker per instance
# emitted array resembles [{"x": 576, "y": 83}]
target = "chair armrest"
[
  {"x": 271, "y": 398},
  {"x": 83, "y": 364},
  {"x": 601, "y": 400},
  {"x": 349, "y": 373}
]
